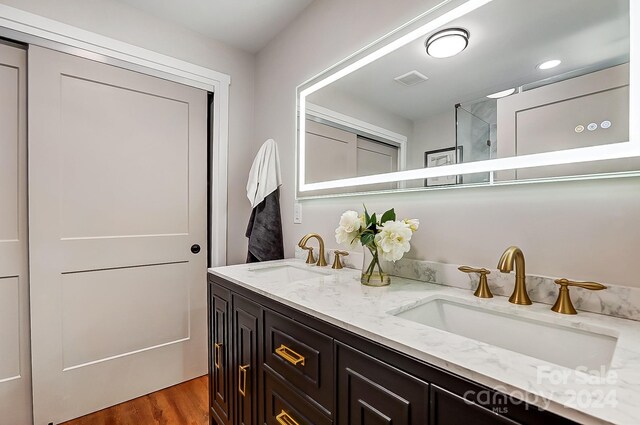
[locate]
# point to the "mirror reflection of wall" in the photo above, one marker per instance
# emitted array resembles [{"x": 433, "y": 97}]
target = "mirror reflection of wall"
[{"x": 531, "y": 77}]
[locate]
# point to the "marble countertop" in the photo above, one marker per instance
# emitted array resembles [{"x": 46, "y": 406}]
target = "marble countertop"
[{"x": 337, "y": 297}]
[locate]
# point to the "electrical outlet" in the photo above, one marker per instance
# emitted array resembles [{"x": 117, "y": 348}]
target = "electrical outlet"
[{"x": 297, "y": 213}]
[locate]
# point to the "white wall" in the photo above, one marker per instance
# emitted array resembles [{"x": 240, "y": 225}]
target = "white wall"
[
  {"x": 130, "y": 25},
  {"x": 583, "y": 230},
  {"x": 344, "y": 103},
  {"x": 430, "y": 133}
]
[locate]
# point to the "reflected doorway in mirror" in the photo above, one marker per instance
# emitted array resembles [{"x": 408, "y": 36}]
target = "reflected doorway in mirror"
[{"x": 438, "y": 158}]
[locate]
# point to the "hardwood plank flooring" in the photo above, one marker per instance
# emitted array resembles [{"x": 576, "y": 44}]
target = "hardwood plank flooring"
[{"x": 182, "y": 404}]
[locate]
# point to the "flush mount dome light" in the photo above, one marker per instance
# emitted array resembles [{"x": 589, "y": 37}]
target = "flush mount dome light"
[
  {"x": 549, "y": 64},
  {"x": 447, "y": 43},
  {"x": 503, "y": 93}
]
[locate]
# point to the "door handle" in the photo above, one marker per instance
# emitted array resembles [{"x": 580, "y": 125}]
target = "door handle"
[
  {"x": 195, "y": 248},
  {"x": 242, "y": 380},
  {"x": 217, "y": 354}
]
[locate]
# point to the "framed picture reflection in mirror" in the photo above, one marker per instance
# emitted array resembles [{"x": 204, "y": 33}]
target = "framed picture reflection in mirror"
[{"x": 438, "y": 158}]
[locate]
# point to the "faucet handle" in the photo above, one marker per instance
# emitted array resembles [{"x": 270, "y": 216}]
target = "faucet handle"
[
  {"x": 467, "y": 269},
  {"x": 337, "y": 264},
  {"x": 483, "y": 290},
  {"x": 563, "y": 304},
  {"x": 310, "y": 258}
]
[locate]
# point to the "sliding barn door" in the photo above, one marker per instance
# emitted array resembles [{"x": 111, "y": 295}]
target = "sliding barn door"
[
  {"x": 117, "y": 175},
  {"x": 15, "y": 362}
]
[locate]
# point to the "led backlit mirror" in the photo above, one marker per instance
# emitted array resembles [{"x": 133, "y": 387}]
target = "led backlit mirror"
[{"x": 477, "y": 92}]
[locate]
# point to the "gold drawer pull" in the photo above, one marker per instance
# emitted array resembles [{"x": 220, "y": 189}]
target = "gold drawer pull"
[
  {"x": 289, "y": 355},
  {"x": 284, "y": 419},
  {"x": 218, "y": 354},
  {"x": 242, "y": 380}
]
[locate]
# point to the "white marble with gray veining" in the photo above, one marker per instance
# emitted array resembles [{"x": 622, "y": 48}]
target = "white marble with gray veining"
[
  {"x": 338, "y": 297},
  {"x": 618, "y": 301}
]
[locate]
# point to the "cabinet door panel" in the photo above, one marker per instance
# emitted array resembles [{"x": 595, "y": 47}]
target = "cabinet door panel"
[
  {"x": 246, "y": 329},
  {"x": 374, "y": 393},
  {"x": 220, "y": 357},
  {"x": 450, "y": 409}
]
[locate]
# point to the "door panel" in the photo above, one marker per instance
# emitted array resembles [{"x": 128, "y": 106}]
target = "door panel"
[
  {"x": 15, "y": 364},
  {"x": 94, "y": 331},
  {"x": 157, "y": 165},
  {"x": 376, "y": 158},
  {"x": 117, "y": 171},
  {"x": 330, "y": 153}
]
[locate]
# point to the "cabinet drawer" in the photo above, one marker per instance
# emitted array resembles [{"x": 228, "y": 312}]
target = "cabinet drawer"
[
  {"x": 372, "y": 392},
  {"x": 451, "y": 409},
  {"x": 282, "y": 406},
  {"x": 301, "y": 355}
]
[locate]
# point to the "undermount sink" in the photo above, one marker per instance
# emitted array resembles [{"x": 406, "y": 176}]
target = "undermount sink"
[
  {"x": 561, "y": 345},
  {"x": 286, "y": 273}
]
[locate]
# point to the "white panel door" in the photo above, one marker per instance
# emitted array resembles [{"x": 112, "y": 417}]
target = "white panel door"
[
  {"x": 15, "y": 364},
  {"x": 376, "y": 158},
  {"x": 117, "y": 192},
  {"x": 330, "y": 153}
]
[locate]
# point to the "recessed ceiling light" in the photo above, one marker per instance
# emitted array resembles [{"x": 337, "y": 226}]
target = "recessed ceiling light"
[
  {"x": 549, "y": 64},
  {"x": 447, "y": 43},
  {"x": 500, "y": 94}
]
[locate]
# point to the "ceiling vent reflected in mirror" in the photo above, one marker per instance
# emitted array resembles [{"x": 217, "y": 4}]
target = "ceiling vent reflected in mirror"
[{"x": 411, "y": 78}]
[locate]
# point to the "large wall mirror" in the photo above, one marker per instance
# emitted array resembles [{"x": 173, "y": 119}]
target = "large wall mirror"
[{"x": 478, "y": 92}]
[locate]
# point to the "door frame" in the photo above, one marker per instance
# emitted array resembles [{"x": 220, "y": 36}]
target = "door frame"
[{"x": 33, "y": 29}]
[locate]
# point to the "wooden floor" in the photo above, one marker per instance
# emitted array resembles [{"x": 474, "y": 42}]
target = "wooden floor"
[{"x": 182, "y": 404}]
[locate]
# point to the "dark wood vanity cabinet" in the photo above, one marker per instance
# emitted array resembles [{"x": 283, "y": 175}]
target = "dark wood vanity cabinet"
[
  {"x": 274, "y": 365},
  {"x": 235, "y": 335}
]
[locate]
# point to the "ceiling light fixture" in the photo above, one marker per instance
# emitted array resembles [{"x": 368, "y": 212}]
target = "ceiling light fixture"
[
  {"x": 447, "y": 43},
  {"x": 549, "y": 64},
  {"x": 503, "y": 93}
]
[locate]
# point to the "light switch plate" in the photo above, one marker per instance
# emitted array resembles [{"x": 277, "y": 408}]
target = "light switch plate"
[{"x": 297, "y": 213}]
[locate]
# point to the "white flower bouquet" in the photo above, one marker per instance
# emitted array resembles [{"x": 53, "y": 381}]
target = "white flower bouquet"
[{"x": 384, "y": 239}]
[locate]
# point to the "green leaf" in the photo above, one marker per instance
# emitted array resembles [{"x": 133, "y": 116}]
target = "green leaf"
[
  {"x": 367, "y": 238},
  {"x": 366, "y": 216},
  {"x": 373, "y": 220},
  {"x": 388, "y": 216}
]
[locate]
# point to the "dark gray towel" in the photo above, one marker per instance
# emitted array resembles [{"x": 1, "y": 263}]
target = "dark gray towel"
[{"x": 265, "y": 230}]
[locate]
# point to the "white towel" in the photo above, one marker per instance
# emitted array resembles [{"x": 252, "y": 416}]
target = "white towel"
[{"x": 264, "y": 176}]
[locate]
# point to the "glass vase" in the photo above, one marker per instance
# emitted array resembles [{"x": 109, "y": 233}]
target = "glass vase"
[{"x": 373, "y": 268}]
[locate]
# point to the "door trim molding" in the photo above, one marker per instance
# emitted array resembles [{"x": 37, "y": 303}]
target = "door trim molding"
[{"x": 33, "y": 29}]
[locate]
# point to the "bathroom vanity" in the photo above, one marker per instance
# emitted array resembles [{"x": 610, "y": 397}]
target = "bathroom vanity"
[{"x": 297, "y": 344}]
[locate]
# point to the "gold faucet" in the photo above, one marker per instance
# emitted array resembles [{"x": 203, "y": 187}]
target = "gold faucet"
[
  {"x": 512, "y": 255},
  {"x": 303, "y": 242}
]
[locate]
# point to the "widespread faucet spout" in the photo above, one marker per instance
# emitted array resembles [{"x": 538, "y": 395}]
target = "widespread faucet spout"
[
  {"x": 303, "y": 244},
  {"x": 511, "y": 257}
]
